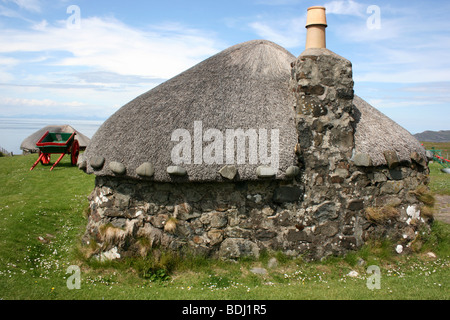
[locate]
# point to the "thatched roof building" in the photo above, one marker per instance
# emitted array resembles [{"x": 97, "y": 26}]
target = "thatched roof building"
[
  {"x": 254, "y": 148},
  {"x": 28, "y": 145}
]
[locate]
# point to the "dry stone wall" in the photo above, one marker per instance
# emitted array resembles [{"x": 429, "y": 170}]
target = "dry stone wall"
[{"x": 226, "y": 220}]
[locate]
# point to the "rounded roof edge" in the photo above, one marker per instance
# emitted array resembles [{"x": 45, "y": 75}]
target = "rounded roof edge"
[{"x": 375, "y": 133}]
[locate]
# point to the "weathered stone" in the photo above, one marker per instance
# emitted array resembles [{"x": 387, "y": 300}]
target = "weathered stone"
[
  {"x": 81, "y": 162},
  {"x": 122, "y": 201},
  {"x": 237, "y": 232},
  {"x": 152, "y": 234},
  {"x": 160, "y": 196},
  {"x": 431, "y": 255},
  {"x": 353, "y": 274},
  {"x": 283, "y": 218},
  {"x": 318, "y": 139},
  {"x": 97, "y": 162},
  {"x": 273, "y": 263},
  {"x": 176, "y": 171},
  {"x": 328, "y": 229},
  {"x": 341, "y": 172},
  {"x": 265, "y": 172},
  {"x": 158, "y": 220},
  {"x": 145, "y": 170},
  {"x": 109, "y": 255},
  {"x": 326, "y": 211},
  {"x": 228, "y": 172},
  {"x": 215, "y": 236},
  {"x": 234, "y": 248},
  {"x": 362, "y": 160},
  {"x": 348, "y": 242},
  {"x": 391, "y": 187},
  {"x": 287, "y": 194},
  {"x": 387, "y": 200},
  {"x": 295, "y": 235},
  {"x": 396, "y": 174},
  {"x": 119, "y": 222},
  {"x": 188, "y": 215},
  {"x": 264, "y": 235},
  {"x": 260, "y": 271},
  {"x": 391, "y": 158},
  {"x": 355, "y": 205},
  {"x": 117, "y": 167},
  {"x": 267, "y": 211},
  {"x": 379, "y": 177},
  {"x": 218, "y": 220},
  {"x": 292, "y": 171},
  {"x": 419, "y": 159},
  {"x": 336, "y": 179}
]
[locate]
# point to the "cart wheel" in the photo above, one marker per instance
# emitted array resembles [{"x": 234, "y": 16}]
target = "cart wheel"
[
  {"x": 74, "y": 152},
  {"x": 46, "y": 158}
]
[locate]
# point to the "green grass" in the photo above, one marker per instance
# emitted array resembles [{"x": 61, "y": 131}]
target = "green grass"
[
  {"x": 438, "y": 145},
  {"x": 42, "y": 218},
  {"x": 440, "y": 182}
]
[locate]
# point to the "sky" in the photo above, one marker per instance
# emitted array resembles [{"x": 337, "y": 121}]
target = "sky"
[{"x": 71, "y": 59}]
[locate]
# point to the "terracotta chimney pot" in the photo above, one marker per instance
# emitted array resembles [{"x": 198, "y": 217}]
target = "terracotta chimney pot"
[{"x": 316, "y": 22}]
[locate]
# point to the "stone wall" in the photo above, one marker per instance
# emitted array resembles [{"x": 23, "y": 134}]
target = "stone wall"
[
  {"x": 226, "y": 220},
  {"x": 235, "y": 219}
]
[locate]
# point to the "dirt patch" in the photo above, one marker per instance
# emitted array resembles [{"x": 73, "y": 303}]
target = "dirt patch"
[{"x": 442, "y": 207}]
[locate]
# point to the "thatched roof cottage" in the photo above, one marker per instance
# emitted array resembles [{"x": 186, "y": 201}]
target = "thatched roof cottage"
[
  {"x": 28, "y": 145},
  {"x": 254, "y": 149}
]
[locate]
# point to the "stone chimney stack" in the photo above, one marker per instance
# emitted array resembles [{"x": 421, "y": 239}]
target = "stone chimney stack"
[
  {"x": 316, "y": 22},
  {"x": 322, "y": 84}
]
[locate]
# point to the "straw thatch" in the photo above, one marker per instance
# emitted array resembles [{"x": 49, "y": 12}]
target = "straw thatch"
[
  {"x": 376, "y": 133},
  {"x": 28, "y": 145},
  {"x": 245, "y": 86}
]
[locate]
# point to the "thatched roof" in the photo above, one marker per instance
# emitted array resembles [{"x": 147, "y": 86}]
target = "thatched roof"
[
  {"x": 376, "y": 133},
  {"x": 243, "y": 87},
  {"x": 29, "y": 143}
]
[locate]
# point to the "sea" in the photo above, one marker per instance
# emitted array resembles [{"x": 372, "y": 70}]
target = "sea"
[{"x": 14, "y": 130}]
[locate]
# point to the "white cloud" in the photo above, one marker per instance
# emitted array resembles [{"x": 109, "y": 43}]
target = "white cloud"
[
  {"x": 108, "y": 44},
  {"x": 278, "y": 2},
  {"x": 29, "y": 5},
  {"x": 5, "y": 76},
  {"x": 348, "y": 7},
  {"x": 41, "y": 25},
  {"x": 288, "y": 33},
  {"x": 406, "y": 76},
  {"x": 21, "y": 102},
  {"x": 6, "y": 12},
  {"x": 67, "y": 68}
]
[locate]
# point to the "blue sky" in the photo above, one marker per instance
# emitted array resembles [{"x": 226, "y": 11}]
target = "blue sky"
[{"x": 56, "y": 63}]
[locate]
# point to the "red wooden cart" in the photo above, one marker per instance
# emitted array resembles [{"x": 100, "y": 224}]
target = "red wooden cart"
[{"x": 57, "y": 142}]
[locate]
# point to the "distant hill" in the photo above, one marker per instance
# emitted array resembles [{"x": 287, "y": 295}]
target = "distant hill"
[{"x": 434, "y": 136}]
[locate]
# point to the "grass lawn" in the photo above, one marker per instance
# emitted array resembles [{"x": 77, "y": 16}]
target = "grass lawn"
[{"x": 42, "y": 218}]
